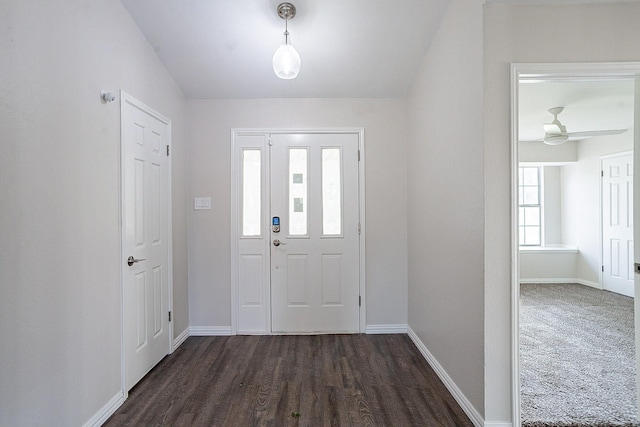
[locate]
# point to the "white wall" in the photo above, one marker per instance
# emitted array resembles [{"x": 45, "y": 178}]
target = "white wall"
[
  {"x": 555, "y": 266},
  {"x": 581, "y": 201},
  {"x": 59, "y": 194},
  {"x": 524, "y": 33},
  {"x": 210, "y": 123},
  {"x": 538, "y": 152},
  {"x": 552, "y": 205},
  {"x": 445, "y": 205}
]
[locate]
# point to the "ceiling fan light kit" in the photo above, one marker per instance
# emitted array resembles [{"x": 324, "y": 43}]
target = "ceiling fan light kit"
[
  {"x": 555, "y": 139},
  {"x": 286, "y": 60}
]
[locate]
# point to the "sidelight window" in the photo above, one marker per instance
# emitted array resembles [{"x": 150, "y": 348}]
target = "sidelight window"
[
  {"x": 331, "y": 192},
  {"x": 251, "y": 192}
]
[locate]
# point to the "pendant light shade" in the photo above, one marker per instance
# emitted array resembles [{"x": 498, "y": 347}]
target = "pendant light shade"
[{"x": 286, "y": 60}]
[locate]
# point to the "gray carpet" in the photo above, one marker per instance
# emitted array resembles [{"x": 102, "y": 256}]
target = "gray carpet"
[{"x": 577, "y": 357}]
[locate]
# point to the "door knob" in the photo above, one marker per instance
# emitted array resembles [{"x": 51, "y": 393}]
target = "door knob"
[
  {"x": 277, "y": 242},
  {"x": 131, "y": 260}
]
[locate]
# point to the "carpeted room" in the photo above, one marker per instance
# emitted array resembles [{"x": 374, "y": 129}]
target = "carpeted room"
[{"x": 577, "y": 356}]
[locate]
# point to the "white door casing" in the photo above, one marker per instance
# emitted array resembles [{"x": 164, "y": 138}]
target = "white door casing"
[
  {"x": 617, "y": 223},
  {"x": 314, "y": 271},
  {"x": 146, "y": 238},
  {"x": 254, "y": 257},
  {"x": 562, "y": 71}
]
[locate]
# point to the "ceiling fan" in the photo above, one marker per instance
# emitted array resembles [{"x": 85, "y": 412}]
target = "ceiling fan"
[{"x": 555, "y": 133}]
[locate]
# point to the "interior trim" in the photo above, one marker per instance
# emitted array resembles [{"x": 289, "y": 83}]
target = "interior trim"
[
  {"x": 532, "y": 72},
  {"x": 210, "y": 331},
  {"x": 106, "y": 411},
  {"x": 386, "y": 329},
  {"x": 457, "y": 394}
]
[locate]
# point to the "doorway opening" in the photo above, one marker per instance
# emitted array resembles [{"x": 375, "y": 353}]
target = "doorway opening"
[{"x": 557, "y": 233}]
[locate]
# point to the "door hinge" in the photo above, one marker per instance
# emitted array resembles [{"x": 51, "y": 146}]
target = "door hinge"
[
  {"x": 270, "y": 141},
  {"x": 167, "y": 150},
  {"x": 602, "y": 174},
  {"x": 359, "y": 300},
  {"x": 169, "y": 316},
  {"x": 603, "y": 268},
  {"x": 358, "y": 155},
  {"x": 359, "y": 228}
]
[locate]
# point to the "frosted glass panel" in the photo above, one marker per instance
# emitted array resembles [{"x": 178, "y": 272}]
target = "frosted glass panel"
[
  {"x": 331, "y": 192},
  {"x": 251, "y": 185},
  {"x": 298, "y": 190}
]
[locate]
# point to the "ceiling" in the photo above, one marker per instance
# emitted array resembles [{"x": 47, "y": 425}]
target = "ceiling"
[
  {"x": 222, "y": 49},
  {"x": 588, "y": 105}
]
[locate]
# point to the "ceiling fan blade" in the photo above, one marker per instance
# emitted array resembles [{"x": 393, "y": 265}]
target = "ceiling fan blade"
[{"x": 591, "y": 133}]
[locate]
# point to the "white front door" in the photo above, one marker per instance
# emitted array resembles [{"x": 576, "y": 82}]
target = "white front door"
[
  {"x": 315, "y": 254},
  {"x": 617, "y": 224},
  {"x": 145, "y": 238},
  {"x": 303, "y": 275}
]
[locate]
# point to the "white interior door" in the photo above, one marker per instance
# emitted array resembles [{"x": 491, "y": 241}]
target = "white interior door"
[
  {"x": 145, "y": 238},
  {"x": 617, "y": 224},
  {"x": 315, "y": 253}
]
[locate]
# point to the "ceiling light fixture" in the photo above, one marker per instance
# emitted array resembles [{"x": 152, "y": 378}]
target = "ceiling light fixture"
[{"x": 286, "y": 60}]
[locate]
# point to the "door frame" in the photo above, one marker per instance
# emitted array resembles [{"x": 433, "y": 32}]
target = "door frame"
[
  {"x": 235, "y": 211},
  {"x": 559, "y": 71},
  {"x": 125, "y": 99}
]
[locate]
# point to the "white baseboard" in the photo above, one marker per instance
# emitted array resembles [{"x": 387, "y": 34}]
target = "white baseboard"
[
  {"x": 589, "y": 283},
  {"x": 497, "y": 424},
  {"x": 562, "y": 280},
  {"x": 385, "y": 329},
  {"x": 209, "y": 331},
  {"x": 106, "y": 411},
  {"x": 457, "y": 394},
  {"x": 177, "y": 342}
]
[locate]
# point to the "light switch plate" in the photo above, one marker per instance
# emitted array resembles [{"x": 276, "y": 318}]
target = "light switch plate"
[{"x": 202, "y": 203}]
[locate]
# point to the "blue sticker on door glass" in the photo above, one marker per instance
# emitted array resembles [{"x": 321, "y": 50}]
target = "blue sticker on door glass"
[{"x": 298, "y": 204}]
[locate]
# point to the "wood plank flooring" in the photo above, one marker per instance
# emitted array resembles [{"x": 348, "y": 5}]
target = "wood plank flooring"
[{"x": 321, "y": 380}]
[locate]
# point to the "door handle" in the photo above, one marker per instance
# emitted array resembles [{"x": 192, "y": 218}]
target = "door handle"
[
  {"x": 131, "y": 260},
  {"x": 277, "y": 242}
]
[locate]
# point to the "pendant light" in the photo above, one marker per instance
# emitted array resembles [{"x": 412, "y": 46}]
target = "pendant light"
[{"x": 286, "y": 61}]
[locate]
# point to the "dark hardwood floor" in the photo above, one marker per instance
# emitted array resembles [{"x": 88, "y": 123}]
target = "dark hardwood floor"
[{"x": 321, "y": 380}]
